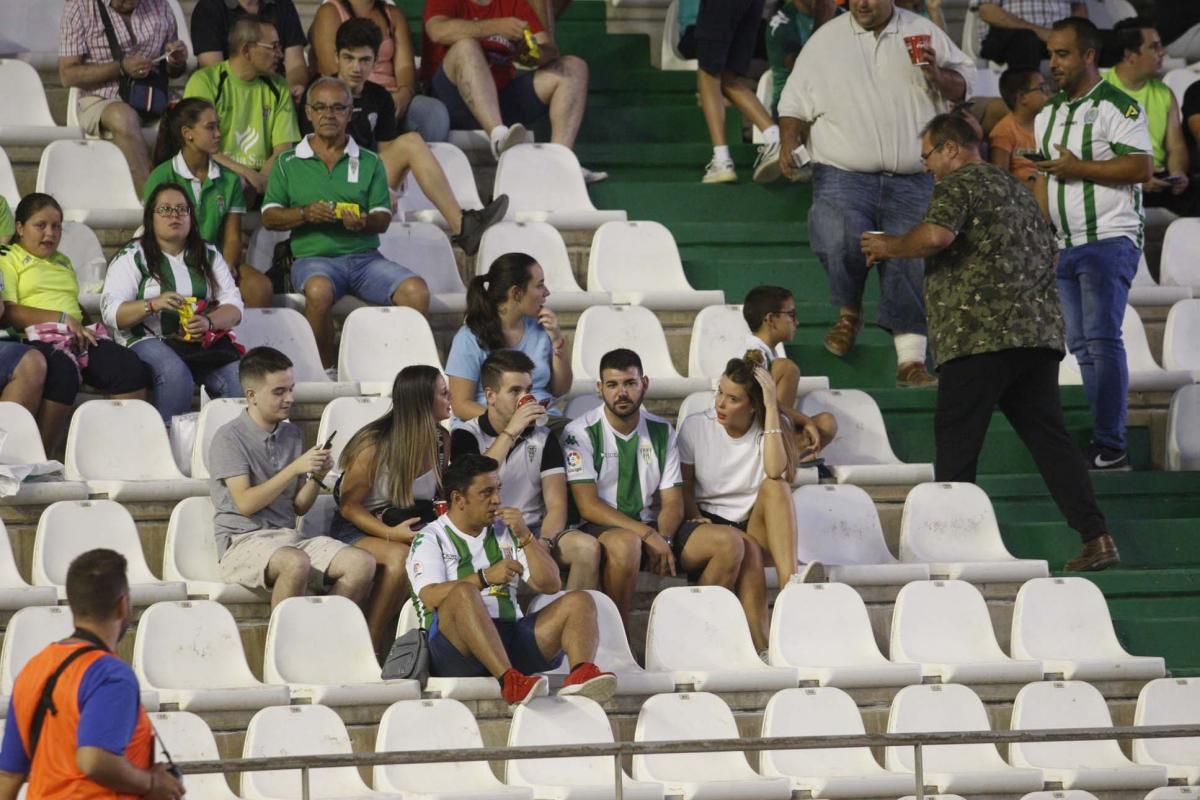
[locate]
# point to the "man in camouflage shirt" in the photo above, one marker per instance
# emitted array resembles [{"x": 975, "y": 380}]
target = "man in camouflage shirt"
[{"x": 995, "y": 324}]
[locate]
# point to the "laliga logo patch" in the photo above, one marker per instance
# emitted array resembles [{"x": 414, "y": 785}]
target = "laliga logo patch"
[
  {"x": 574, "y": 459},
  {"x": 418, "y": 569}
]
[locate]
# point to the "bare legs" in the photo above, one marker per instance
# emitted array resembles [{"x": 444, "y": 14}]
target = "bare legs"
[
  {"x": 773, "y": 526},
  {"x": 714, "y": 90},
  {"x": 726, "y": 558},
  {"x": 287, "y": 574},
  {"x": 409, "y": 152},
  {"x": 388, "y": 590}
]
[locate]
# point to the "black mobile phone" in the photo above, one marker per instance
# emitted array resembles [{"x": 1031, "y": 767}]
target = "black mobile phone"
[
  {"x": 329, "y": 442},
  {"x": 1032, "y": 155}
]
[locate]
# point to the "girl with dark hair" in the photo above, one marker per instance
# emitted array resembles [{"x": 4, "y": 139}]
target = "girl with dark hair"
[
  {"x": 506, "y": 309},
  {"x": 147, "y": 301},
  {"x": 188, "y": 138},
  {"x": 391, "y": 473},
  {"x": 41, "y": 306}
]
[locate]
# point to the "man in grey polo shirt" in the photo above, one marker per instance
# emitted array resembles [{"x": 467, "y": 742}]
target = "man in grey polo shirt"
[{"x": 261, "y": 479}]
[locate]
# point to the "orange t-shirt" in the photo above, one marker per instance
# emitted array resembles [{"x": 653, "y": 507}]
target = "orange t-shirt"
[{"x": 1009, "y": 135}]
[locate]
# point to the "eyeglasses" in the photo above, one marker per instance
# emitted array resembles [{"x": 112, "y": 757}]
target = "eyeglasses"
[
  {"x": 173, "y": 211},
  {"x": 787, "y": 312},
  {"x": 925, "y": 156},
  {"x": 274, "y": 46},
  {"x": 336, "y": 108},
  {"x": 1044, "y": 88}
]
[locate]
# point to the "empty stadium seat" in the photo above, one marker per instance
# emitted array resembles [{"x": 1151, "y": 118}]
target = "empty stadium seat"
[
  {"x": 699, "y": 634},
  {"x": 437, "y": 725},
  {"x": 823, "y": 631},
  {"x": 449, "y": 688},
  {"x": 378, "y": 342},
  {"x": 412, "y": 204},
  {"x": 544, "y": 183},
  {"x": 90, "y": 179},
  {"x": 1183, "y": 429},
  {"x": 8, "y": 181},
  {"x": 120, "y": 449},
  {"x": 861, "y": 453},
  {"x": 1173, "y": 793},
  {"x": 80, "y": 244},
  {"x": 565, "y": 721},
  {"x": 15, "y": 593},
  {"x": 22, "y": 445},
  {"x": 545, "y": 244},
  {"x": 69, "y": 528},
  {"x": 1064, "y": 623},
  {"x": 1179, "y": 80},
  {"x": 190, "y": 555},
  {"x": 639, "y": 263},
  {"x": 1092, "y": 765},
  {"x": 25, "y": 115},
  {"x": 188, "y": 738},
  {"x": 288, "y": 331},
  {"x": 960, "y": 768},
  {"x": 214, "y": 415},
  {"x": 1170, "y": 701},
  {"x": 1074, "y": 794},
  {"x": 30, "y": 31},
  {"x": 424, "y": 249},
  {"x": 190, "y": 653},
  {"x": 694, "y": 403},
  {"x": 612, "y": 650},
  {"x": 1181, "y": 339},
  {"x": 344, "y": 416},
  {"x": 952, "y": 527},
  {"x": 1145, "y": 291},
  {"x": 839, "y": 772},
  {"x": 301, "y": 731},
  {"x": 25, "y": 634},
  {"x": 945, "y": 627},
  {"x": 702, "y": 775},
  {"x": 604, "y": 328},
  {"x": 857, "y": 554},
  {"x": 343, "y": 670},
  {"x": 719, "y": 333},
  {"x": 1145, "y": 375},
  {"x": 669, "y": 56}
]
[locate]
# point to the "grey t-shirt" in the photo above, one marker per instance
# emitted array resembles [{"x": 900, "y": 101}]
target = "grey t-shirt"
[{"x": 241, "y": 447}]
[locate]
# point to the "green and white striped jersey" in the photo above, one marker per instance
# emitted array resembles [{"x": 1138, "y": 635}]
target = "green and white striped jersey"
[{"x": 1103, "y": 124}]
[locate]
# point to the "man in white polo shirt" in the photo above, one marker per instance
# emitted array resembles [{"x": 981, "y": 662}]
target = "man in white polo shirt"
[{"x": 858, "y": 99}]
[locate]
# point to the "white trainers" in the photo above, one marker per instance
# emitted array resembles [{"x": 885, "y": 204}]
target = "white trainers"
[
  {"x": 504, "y": 137},
  {"x": 719, "y": 172},
  {"x": 766, "y": 166},
  {"x": 593, "y": 176}
]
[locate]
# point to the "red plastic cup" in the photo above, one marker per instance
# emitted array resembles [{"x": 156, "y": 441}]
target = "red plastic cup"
[
  {"x": 440, "y": 507},
  {"x": 916, "y": 48},
  {"x": 526, "y": 400}
]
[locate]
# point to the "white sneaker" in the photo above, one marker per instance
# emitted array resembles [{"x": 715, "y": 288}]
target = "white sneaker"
[
  {"x": 590, "y": 176},
  {"x": 504, "y": 137},
  {"x": 766, "y": 166},
  {"x": 719, "y": 172}
]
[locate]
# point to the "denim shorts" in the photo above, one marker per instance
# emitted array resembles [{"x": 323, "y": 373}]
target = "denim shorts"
[
  {"x": 11, "y": 354},
  {"x": 368, "y": 276},
  {"x": 519, "y": 641}
]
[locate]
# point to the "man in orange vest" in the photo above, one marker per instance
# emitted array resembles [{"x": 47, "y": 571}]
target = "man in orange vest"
[{"x": 76, "y": 727}]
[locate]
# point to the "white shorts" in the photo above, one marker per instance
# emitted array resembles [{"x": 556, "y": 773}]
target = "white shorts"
[{"x": 245, "y": 559}]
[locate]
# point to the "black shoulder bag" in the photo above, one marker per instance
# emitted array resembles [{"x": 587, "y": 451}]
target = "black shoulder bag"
[{"x": 147, "y": 96}]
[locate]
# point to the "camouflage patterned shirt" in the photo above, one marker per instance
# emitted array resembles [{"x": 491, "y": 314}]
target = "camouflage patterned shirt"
[{"x": 993, "y": 288}]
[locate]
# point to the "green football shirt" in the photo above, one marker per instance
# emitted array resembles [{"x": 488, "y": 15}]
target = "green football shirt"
[
  {"x": 255, "y": 115},
  {"x": 220, "y": 193}
]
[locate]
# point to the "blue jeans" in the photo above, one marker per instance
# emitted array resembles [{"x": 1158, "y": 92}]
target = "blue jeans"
[
  {"x": 174, "y": 382},
  {"x": 1093, "y": 287},
  {"x": 427, "y": 116},
  {"x": 846, "y": 205}
]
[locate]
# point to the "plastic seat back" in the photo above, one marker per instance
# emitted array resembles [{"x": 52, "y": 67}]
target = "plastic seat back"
[
  {"x": 190, "y": 644},
  {"x": 86, "y": 177},
  {"x": 1063, "y": 704},
  {"x": 431, "y": 725},
  {"x": 950, "y": 522},
  {"x": 944, "y": 621},
  {"x": 949, "y": 707},
  {"x": 696, "y": 627},
  {"x": 459, "y": 175},
  {"x": 862, "y": 437},
  {"x": 107, "y": 524},
  {"x": 694, "y": 403},
  {"x": 190, "y": 552},
  {"x": 25, "y": 99},
  {"x": 541, "y": 177},
  {"x": 1181, "y": 336},
  {"x": 379, "y": 342},
  {"x": 8, "y": 181},
  {"x": 80, "y": 244},
  {"x": 1063, "y": 618},
  {"x": 821, "y": 624},
  {"x": 424, "y": 249},
  {"x": 635, "y": 256},
  {"x": 1179, "y": 80},
  {"x": 838, "y": 524},
  {"x": 604, "y": 328},
  {"x": 560, "y": 721},
  {"x": 687, "y": 716},
  {"x": 1169, "y": 701},
  {"x": 287, "y": 331},
  {"x": 299, "y": 731},
  {"x": 21, "y": 443},
  {"x": 718, "y": 334},
  {"x": 213, "y": 416},
  {"x": 540, "y": 240},
  {"x": 1183, "y": 429},
  {"x": 345, "y": 654},
  {"x": 188, "y": 738},
  {"x": 345, "y": 416},
  {"x": 104, "y": 433},
  {"x": 823, "y": 711},
  {"x": 27, "y": 632}
]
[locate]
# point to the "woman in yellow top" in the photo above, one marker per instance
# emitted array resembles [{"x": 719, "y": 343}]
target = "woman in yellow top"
[{"x": 40, "y": 286}]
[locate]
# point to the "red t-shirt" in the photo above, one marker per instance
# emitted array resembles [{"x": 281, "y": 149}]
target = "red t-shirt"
[{"x": 500, "y": 52}]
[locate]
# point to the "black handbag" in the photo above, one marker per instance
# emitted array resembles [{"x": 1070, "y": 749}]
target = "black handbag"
[
  {"x": 409, "y": 657},
  {"x": 147, "y": 96},
  {"x": 222, "y": 351}
]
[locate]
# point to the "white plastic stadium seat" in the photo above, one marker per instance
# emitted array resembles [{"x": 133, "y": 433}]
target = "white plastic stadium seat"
[
  {"x": 100, "y": 441},
  {"x": 1179, "y": 80},
  {"x": 25, "y": 634},
  {"x": 475, "y": 142},
  {"x": 612, "y": 649},
  {"x": 699, "y": 634},
  {"x": 719, "y": 333},
  {"x": 22, "y": 444},
  {"x": 1183, "y": 429},
  {"x": 213, "y": 416},
  {"x": 861, "y": 453},
  {"x": 699, "y": 776},
  {"x": 670, "y": 57},
  {"x": 345, "y": 416},
  {"x": 695, "y": 403},
  {"x": 1145, "y": 375},
  {"x": 823, "y": 631},
  {"x": 378, "y": 342},
  {"x": 188, "y": 738},
  {"x": 1170, "y": 701},
  {"x": 952, "y": 527},
  {"x": 960, "y": 768},
  {"x": 945, "y": 627},
  {"x": 1146, "y": 292},
  {"x": 565, "y": 721},
  {"x": 604, "y": 328},
  {"x": 1073, "y": 794},
  {"x": 544, "y": 183},
  {"x": 8, "y": 181},
  {"x": 424, "y": 249},
  {"x": 639, "y": 263},
  {"x": 91, "y": 182},
  {"x": 15, "y": 593},
  {"x": 190, "y": 555},
  {"x": 1092, "y": 765},
  {"x": 580, "y": 404},
  {"x": 1181, "y": 338},
  {"x": 1174, "y": 793},
  {"x": 449, "y": 688},
  {"x": 190, "y": 652},
  {"x": 80, "y": 244},
  {"x": 545, "y": 244},
  {"x": 288, "y": 331},
  {"x": 824, "y": 772},
  {"x": 414, "y": 205},
  {"x": 839, "y": 526},
  {"x": 437, "y": 725},
  {"x": 25, "y": 115},
  {"x": 31, "y": 31},
  {"x": 319, "y": 518},
  {"x": 301, "y": 731},
  {"x": 1064, "y": 623},
  {"x": 69, "y": 528},
  {"x": 343, "y": 670}
]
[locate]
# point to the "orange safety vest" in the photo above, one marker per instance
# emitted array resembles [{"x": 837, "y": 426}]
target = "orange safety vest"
[{"x": 54, "y": 775}]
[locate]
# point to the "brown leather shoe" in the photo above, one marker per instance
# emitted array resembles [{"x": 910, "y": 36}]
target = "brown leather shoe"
[
  {"x": 1100, "y": 553},
  {"x": 840, "y": 338},
  {"x": 913, "y": 373}
]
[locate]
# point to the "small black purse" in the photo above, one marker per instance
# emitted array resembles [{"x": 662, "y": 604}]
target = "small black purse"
[{"x": 409, "y": 657}]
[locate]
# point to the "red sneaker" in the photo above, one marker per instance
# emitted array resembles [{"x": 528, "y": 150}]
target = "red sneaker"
[
  {"x": 587, "y": 680},
  {"x": 517, "y": 688}
]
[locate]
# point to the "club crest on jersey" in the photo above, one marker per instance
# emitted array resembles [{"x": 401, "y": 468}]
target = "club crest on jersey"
[
  {"x": 574, "y": 459},
  {"x": 418, "y": 569},
  {"x": 531, "y": 451},
  {"x": 1093, "y": 113},
  {"x": 646, "y": 451}
]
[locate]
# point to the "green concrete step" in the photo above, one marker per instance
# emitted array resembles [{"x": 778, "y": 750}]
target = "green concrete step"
[
  {"x": 1174, "y": 638},
  {"x": 1144, "y": 543},
  {"x": 670, "y": 202}
]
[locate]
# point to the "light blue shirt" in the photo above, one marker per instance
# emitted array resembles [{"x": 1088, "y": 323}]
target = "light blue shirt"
[{"x": 467, "y": 356}]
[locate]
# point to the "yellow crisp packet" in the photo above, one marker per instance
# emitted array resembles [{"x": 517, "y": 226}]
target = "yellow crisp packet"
[
  {"x": 186, "y": 312},
  {"x": 342, "y": 208},
  {"x": 532, "y": 53}
]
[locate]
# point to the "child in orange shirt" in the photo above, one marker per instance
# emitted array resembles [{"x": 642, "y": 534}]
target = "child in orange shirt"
[{"x": 1024, "y": 92}]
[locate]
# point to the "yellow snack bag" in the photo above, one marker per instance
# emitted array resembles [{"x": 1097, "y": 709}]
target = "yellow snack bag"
[
  {"x": 186, "y": 312},
  {"x": 342, "y": 208},
  {"x": 532, "y": 53}
]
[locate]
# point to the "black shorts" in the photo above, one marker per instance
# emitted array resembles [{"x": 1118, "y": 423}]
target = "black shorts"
[
  {"x": 726, "y": 35},
  {"x": 678, "y": 542},
  {"x": 112, "y": 369},
  {"x": 520, "y": 644},
  {"x": 518, "y": 102}
]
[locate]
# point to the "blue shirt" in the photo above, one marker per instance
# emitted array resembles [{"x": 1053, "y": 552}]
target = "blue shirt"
[{"x": 467, "y": 356}]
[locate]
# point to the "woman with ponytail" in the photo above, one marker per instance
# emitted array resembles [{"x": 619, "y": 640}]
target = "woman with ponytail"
[
  {"x": 188, "y": 138},
  {"x": 506, "y": 310}
]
